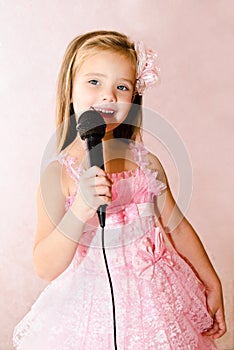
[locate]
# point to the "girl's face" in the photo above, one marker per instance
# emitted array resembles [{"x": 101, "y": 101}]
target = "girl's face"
[{"x": 106, "y": 82}]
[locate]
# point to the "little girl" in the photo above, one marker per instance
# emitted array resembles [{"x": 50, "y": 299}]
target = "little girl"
[{"x": 166, "y": 292}]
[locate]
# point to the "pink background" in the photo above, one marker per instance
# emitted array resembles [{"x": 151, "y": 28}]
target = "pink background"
[{"x": 194, "y": 40}]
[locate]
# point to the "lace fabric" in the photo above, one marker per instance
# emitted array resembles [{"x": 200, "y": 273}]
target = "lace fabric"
[{"x": 160, "y": 303}]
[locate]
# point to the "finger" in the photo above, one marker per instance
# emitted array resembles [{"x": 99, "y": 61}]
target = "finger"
[
  {"x": 102, "y": 181},
  {"x": 220, "y": 321},
  {"x": 96, "y": 171},
  {"x": 94, "y": 201},
  {"x": 219, "y": 327},
  {"x": 103, "y": 200},
  {"x": 103, "y": 191},
  {"x": 90, "y": 190},
  {"x": 212, "y": 330},
  {"x": 93, "y": 190},
  {"x": 96, "y": 176},
  {"x": 219, "y": 334},
  {"x": 93, "y": 172},
  {"x": 92, "y": 183}
]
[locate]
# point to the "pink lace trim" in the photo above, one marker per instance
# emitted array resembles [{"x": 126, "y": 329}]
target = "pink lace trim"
[{"x": 140, "y": 152}]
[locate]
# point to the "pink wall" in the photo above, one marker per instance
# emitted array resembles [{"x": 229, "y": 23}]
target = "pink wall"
[{"x": 194, "y": 40}]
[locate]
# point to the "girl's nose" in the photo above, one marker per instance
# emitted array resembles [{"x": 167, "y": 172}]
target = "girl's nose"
[{"x": 108, "y": 95}]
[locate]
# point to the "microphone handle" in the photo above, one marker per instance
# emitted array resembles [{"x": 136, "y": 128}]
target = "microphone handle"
[
  {"x": 102, "y": 214},
  {"x": 95, "y": 149}
]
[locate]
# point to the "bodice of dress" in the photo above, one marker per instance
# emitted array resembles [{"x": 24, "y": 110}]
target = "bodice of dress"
[{"x": 129, "y": 217}]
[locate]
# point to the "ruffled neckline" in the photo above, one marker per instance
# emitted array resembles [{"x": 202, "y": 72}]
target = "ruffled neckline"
[
  {"x": 71, "y": 160},
  {"x": 139, "y": 151}
]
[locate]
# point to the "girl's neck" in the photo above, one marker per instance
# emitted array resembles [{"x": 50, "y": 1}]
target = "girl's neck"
[
  {"x": 108, "y": 136},
  {"x": 117, "y": 155}
]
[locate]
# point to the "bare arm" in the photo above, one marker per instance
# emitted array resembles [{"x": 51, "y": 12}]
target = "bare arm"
[
  {"x": 187, "y": 243},
  {"x": 58, "y": 231},
  {"x": 185, "y": 240}
]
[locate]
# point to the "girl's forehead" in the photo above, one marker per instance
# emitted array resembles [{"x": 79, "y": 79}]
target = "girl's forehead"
[
  {"x": 110, "y": 65},
  {"x": 100, "y": 55}
]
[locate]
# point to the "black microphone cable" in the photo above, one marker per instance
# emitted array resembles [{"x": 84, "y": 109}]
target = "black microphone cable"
[
  {"x": 91, "y": 128},
  {"x": 101, "y": 215}
]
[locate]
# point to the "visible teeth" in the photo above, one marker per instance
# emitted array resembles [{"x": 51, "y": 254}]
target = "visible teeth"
[{"x": 104, "y": 111}]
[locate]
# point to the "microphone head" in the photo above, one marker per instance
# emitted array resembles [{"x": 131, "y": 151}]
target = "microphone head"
[{"x": 91, "y": 123}]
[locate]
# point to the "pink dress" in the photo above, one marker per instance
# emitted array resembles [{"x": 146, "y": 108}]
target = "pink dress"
[{"x": 159, "y": 301}]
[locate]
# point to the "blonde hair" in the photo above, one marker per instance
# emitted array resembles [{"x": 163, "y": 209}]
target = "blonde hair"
[{"x": 81, "y": 47}]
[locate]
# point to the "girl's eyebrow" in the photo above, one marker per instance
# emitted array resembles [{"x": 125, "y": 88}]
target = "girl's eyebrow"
[
  {"x": 94, "y": 73},
  {"x": 91, "y": 74}
]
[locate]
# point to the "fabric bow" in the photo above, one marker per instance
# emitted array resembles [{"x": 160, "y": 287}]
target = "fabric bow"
[
  {"x": 130, "y": 213},
  {"x": 148, "y": 253},
  {"x": 125, "y": 215},
  {"x": 147, "y": 71}
]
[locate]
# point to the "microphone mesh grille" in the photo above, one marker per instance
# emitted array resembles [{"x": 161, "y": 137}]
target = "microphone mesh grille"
[{"x": 91, "y": 123}]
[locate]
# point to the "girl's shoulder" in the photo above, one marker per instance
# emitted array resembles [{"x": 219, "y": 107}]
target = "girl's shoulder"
[
  {"x": 53, "y": 176},
  {"x": 156, "y": 165},
  {"x": 73, "y": 154},
  {"x": 149, "y": 160},
  {"x": 57, "y": 171}
]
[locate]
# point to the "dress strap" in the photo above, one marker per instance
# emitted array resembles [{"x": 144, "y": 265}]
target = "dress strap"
[
  {"x": 73, "y": 172},
  {"x": 140, "y": 152},
  {"x": 140, "y": 156}
]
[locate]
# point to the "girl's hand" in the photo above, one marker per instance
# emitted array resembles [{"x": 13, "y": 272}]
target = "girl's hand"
[
  {"x": 94, "y": 190},
  {"x": 216, "y": 310}
]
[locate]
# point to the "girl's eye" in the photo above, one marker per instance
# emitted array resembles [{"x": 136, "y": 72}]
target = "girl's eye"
[
  {"x": 94, "y": 82},
  {"x": 122, "y": 87}
]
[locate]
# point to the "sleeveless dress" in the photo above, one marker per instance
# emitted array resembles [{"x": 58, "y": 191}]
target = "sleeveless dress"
[{"x": 160, "y": 303}]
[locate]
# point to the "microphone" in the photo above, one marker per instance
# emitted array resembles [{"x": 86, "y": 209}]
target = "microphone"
[{"x": 91, "y": 127}]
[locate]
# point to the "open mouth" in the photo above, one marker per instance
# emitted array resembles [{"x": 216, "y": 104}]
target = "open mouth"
[{"x": 106, "y": 112}]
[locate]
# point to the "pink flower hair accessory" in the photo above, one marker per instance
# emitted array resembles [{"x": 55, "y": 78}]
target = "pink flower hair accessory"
[{"x": 147, "y": 70}]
